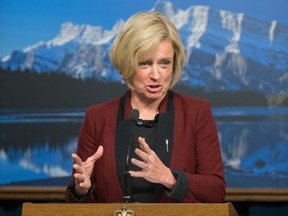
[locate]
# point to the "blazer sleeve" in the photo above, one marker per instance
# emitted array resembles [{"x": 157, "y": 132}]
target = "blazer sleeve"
[
  {"x": 207, "y": 184},
  {"x": 86, "y": 147},
  {"x": 204, "y": 181}
]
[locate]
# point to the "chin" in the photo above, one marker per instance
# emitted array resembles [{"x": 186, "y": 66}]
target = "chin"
[{"x": 156, "y": 95}]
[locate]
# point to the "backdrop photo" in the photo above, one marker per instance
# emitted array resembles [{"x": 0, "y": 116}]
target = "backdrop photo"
[{"x": 54, "y": 63}]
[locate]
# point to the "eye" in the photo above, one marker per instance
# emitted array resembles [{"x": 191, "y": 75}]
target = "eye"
[
  {"x": 144, "y": 64},
  {"x": 165, "y": 63}
]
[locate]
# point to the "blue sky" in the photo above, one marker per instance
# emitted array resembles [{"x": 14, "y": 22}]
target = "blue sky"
[{"x": 26, "y": 22}]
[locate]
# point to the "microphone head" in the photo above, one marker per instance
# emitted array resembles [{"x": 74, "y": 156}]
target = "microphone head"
[{"x": 134, "y": 115}]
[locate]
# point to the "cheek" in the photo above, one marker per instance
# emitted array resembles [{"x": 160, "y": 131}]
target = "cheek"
[
  {"x": 139, "y": 78},
  {"x": 141, "y": 75},
  {"x": 167, "y": 77}
]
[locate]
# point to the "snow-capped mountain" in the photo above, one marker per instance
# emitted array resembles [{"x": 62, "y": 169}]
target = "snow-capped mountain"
[
  {"x": 224, "y": 50},
  {"x": 79, "y": 50}
]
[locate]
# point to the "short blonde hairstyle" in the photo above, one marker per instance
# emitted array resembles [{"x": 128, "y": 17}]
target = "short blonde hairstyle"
[{"x": 139, "y": 38}]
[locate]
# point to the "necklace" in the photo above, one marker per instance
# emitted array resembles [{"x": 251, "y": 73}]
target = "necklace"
[{"x": 147, "y": 123}]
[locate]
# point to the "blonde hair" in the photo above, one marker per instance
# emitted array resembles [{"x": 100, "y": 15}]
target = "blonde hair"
[{"x": 139, "y": 37}]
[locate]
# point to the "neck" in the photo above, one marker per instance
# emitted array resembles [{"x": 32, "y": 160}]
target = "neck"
[{"x": 147, "y": 109}]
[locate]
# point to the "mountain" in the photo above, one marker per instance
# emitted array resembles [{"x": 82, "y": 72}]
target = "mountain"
[
  {"x": 78, "y": 50},
  {"x": 224, "y": 51}
]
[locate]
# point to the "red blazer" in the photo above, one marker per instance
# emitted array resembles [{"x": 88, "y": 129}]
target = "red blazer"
[{"x": 194, "y": 153}]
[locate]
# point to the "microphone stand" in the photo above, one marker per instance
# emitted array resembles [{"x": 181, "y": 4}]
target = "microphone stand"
[{"x": 127, "y": 178}]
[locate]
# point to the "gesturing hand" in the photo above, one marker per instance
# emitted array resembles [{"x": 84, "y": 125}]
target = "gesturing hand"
[
  {"x": 83, "y": 171},
  {"x": 153, "y": 170}
]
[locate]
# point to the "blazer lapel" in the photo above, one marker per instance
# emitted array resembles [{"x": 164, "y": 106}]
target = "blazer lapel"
[
  {"x": 165, "y": 131},
  {"x": 122, "y": 136},
  {"x": 121, "y": 148},
  {"x": 164, "y": 140}
]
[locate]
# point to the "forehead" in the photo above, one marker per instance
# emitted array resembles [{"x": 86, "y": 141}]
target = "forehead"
[{"x": 164, "y": 49}]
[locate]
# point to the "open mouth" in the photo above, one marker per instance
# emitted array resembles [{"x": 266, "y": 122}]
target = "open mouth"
[{"x": 154, "y": 88}]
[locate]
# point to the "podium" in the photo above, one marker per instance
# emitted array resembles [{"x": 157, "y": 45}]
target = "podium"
[{"x": 129, "y": 209}]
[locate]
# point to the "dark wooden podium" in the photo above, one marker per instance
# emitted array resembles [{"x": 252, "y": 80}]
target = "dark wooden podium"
[{"x": 122, "y": 209}]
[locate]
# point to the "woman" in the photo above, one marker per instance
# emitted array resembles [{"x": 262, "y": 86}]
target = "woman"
[{"x": 175, "y": 153}]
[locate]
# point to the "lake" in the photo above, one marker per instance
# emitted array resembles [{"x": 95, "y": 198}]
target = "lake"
[{"x": 37, "y": 144}]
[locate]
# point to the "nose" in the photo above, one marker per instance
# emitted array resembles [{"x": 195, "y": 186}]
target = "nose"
[{"x": 155, "y": 73}]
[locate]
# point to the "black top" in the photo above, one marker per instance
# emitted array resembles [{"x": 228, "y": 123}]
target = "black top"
[{"x": 142, "y": 190}]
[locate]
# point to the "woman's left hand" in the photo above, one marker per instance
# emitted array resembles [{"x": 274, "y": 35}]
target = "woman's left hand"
[{"x": 153, "y": 170}]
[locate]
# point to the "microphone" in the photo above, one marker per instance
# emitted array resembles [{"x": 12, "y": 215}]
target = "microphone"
[{"x": 134, "y": 116}]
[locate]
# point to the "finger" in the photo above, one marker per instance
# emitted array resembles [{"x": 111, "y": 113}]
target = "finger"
[
  {"x": 79, "y": 177},
  {"x": 77, "y": 159},
  {"x": 144, "y": 156},
  {"x": 143, "y": 145},
  {"x": 96, "y": 155},
  {"x": 136, "y": 173},
  {"x": 78, "y": 168},
  {"x": 84, "y": 184},
  {"x": 139, "y": 163}
]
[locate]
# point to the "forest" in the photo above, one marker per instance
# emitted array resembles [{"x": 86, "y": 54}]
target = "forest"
[{"x": 27, "y": 89}]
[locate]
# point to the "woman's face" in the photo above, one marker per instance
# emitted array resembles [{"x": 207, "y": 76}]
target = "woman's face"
[{"x": 153, "y": 76}]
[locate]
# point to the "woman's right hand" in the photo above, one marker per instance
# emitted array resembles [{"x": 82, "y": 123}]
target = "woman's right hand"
[{"x": 83, "y": 171}]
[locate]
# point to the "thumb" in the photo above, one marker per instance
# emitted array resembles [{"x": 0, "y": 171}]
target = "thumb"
[{"x": 98, "y": 154}]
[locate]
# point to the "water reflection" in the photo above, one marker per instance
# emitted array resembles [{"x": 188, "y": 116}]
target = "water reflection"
[
  {"x": 37, "y": 150},
  {"x": 39, "y": 145},
  {"x": 255, "y": 148}
]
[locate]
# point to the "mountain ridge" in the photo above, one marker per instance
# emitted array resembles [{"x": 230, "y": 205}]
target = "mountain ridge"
[{"x": 224, "y": 51}]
